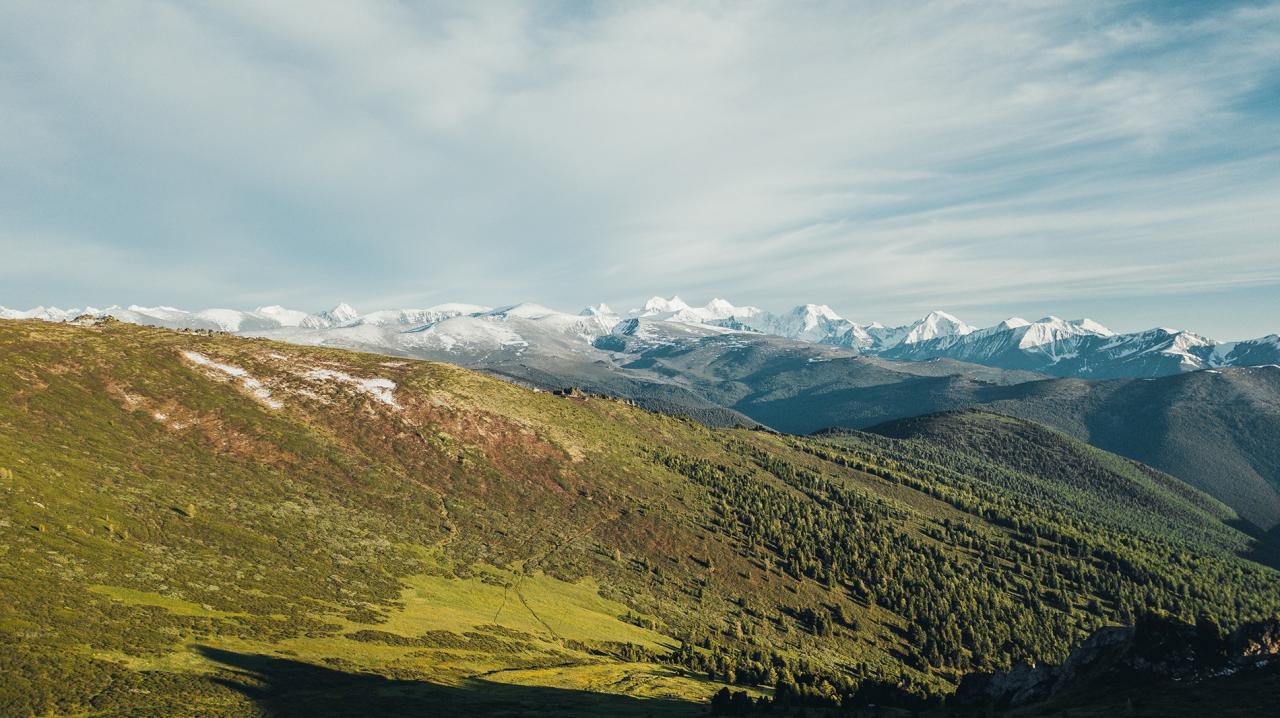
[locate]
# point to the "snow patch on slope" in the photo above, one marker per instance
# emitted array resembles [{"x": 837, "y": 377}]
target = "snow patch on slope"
[
  {"x": 380, "y": 389},
  {"x": 252, "y": 385}
]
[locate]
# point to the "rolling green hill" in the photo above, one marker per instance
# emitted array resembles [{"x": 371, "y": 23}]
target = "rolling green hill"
[
  {"x": 209, "y": 525},
  {"x": 1035, "y": 462}
]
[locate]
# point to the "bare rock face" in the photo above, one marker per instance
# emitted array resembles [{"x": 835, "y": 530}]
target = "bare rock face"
[
  {"x": 1027, "y": 683},
  {"x": 1024, "y": 683},
  {"x": 92, "y": 320},
  {"x": 1090, "y": 654}
]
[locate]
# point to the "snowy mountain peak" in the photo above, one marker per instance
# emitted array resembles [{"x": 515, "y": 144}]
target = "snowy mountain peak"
[
  {"x": 599, "y": 310},
  {"x": 1092, "y": 327},
  {"x": 342, "y": 314},
  {"x": 808, "y": 322},
  {"x": 936, "y": 324},
  {"x": 286, "y": 317},
  {"x": 1012, "y": 323},
  {"x": 1050, "y": 335},
  {"x": 48, "y": 314},
  {"x": 658, "y": 305},
  {"x": 1191, "y": 339},
  {"x": 806, "y": 318},
  {"x": 817, "y": 311},
  {"x": 717, "y": 311},
  {"x": 418, "y": 317},
  {"x": 525, "y": 310},
  {"x": 1075, "y": 326},
  {"x": 458, "y": 308},
  {"x": 938, "y": 316},
  {"x": 723, "y": 309}
]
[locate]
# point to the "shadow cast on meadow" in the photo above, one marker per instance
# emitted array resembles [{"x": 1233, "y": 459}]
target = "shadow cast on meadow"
[{"x": 285, "y": 688}]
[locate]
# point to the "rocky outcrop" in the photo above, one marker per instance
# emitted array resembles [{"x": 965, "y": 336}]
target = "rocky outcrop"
[
  {"x": 1028, "y": 683},
  {"x": 1156, "y": 649},
  {"x": 92, "y": 320},
  {"x": 1255, "y": 642}
]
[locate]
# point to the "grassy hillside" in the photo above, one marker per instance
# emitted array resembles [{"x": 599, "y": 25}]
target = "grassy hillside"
[
  {"x": 217, "y": 526},
  {"x": 1038, "y": 463}
]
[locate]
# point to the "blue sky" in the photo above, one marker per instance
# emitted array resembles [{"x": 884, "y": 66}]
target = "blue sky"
[{"x": 1115, "y": 160}]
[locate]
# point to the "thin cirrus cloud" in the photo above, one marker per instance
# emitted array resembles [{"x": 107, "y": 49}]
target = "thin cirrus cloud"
[{"x": 884, "y": 158}]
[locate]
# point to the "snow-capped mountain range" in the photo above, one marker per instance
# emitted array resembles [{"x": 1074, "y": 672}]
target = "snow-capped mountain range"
[{"x": 1080, "y": 348}]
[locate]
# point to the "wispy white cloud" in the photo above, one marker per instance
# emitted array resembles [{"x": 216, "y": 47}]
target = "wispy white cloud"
[{"x": 881, "y": 157}]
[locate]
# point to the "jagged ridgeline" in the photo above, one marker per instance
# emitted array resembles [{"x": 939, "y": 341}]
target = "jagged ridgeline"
[{"x": 215, "y": 525}]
